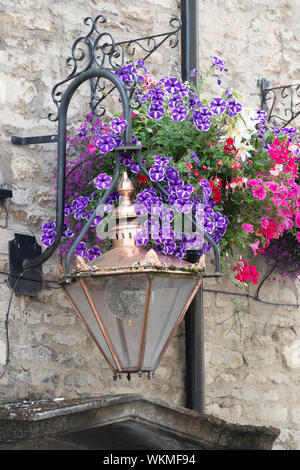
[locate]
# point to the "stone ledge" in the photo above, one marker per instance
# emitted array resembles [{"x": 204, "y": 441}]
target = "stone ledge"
[{"x": 21, "y": 422}]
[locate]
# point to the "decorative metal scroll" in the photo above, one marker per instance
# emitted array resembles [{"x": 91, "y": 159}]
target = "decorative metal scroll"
[
  {"x": 98, "y": 49},
  {"x": 282, "y": 104}
]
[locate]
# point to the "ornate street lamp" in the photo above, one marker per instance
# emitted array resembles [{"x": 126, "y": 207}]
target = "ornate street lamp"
[{"x": 132, "y": 300}]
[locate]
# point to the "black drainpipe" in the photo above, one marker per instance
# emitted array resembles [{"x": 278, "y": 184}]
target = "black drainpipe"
[{"x": 194, "y": 325}]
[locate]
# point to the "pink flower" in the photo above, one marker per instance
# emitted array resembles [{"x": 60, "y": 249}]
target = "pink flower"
[
  {"x": 272, "y": 186},
  {"x": 260, "y": 192},
  {"x": 297, "y": 218},
  {"x": 254, "y": 182},
  {"x": 248, "y": 227},
  {"x": 91, "y": 148},
  {"x": 245, "y": 271},
  {"x": 264, "y": 222},
  {"x": 255, "y": 246}
]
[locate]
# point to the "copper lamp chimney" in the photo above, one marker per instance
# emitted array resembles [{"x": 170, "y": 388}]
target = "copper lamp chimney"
[{"x": 132, "y": 300}]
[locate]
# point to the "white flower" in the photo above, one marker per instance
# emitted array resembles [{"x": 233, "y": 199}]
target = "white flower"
[
  {"x": 276, "y": 170},
  {"x": 243, "y": 150}
]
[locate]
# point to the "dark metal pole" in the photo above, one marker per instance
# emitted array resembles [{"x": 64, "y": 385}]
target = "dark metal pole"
[
  {"x": 195, "y": 367},
  {"x": 194, "y": 327},
  {"x": 189, "y": 38}
]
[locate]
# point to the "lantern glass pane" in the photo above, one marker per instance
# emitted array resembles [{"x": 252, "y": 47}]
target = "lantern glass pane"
[
  {"x": 169, "y": 297},
  {"x": 120, "y": 302},
  {"x": 76, "y": 293}
]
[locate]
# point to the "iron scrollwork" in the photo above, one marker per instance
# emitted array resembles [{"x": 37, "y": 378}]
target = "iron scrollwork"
[
  {"x": 99, "y": 49},
  {"x": 284, "y": 102}
]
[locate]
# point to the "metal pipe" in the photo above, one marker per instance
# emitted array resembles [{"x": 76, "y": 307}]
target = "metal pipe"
[
  {"x": 189, "y": 39},
  {"x": 194, "y": 327}
]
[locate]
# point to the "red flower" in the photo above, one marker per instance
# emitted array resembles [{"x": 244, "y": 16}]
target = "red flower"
[
  {"x": 229, "y": 141},
  {"x": 216, "y": 194},
  {"x": 142, "y": 178},
  {"x": 189, "y": 166}
]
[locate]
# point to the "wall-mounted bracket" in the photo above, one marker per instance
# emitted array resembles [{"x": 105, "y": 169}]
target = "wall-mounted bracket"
[
  {"x": 42, "y": 139},
  {"x": 24, "y": 247},
  {"x": 281, "y": 103}
]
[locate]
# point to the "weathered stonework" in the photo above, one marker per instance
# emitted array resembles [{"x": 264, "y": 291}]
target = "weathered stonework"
[{"x": 252, "y": 363}]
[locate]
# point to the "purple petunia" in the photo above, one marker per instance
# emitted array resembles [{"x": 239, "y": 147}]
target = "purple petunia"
[
  {"x": 102, "y": 181},
  {"x": 169, "y": 246},
  {"x": 141, "y": 65},
  {"x": 175, "y": 101},
  {"x": 157, "y": 95},
  {"x": 194, "y": 102},
  {"x": 97, "y": 220},
  {"x": 142, "y": 237},
  {"x": 80, "y": 203},
  {"x": 173, "y": 85},
  {"x": 126, "y": 159},
  {"x": 202, "y": 125},
  {"x": 126, "y": 73},
  {"x": 184, "y": 206},
  {"x": 206, "y": 186},
  {"x": 93, "y": 253},
  {"x": 195, "y": 157},
  {"x": 161, "y": 161},
  {"x": 219, "y": 64},
  {"x": 218, "y": 105},
  {"x": 157, "y": 173},
  {"x": 48, "y": 225},
  {"x": 81, "y": 250},
  {"x": 233, "y": 108},
  {"x": 69, "y": 209},
  {"x": 105, "y": 144},
  {"x": 49, "y": 235},
  {"x": 135, "y": 168},
  {"x": 208, "y": 225},
  {"x": 194, "y": 241},
  {"x": 156, "y": 111},
  {"x": 172, "y": 174},
  {"x": 67, "y": 233},
  {"x": 179, "y": 114},
  {"x": 219, "y": 220},
  {"x": 118, "y": 125}
]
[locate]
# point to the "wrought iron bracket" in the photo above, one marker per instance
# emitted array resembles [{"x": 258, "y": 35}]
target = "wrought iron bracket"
[
  {"x": 280, "y": 116},
  {"x": 42, "y": 139},
  {"x": 100, "y": 50}
]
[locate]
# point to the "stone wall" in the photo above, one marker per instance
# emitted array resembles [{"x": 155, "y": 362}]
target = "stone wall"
[{"x": 252, "y": 361}]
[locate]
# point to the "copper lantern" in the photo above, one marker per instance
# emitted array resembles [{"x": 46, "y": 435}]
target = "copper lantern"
[{"x": 132, "y": 300}]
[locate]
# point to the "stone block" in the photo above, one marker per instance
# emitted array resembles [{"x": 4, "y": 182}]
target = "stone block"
[
  {"x": 292, "y": 355},
  {"x": 2, "y": 352}
]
